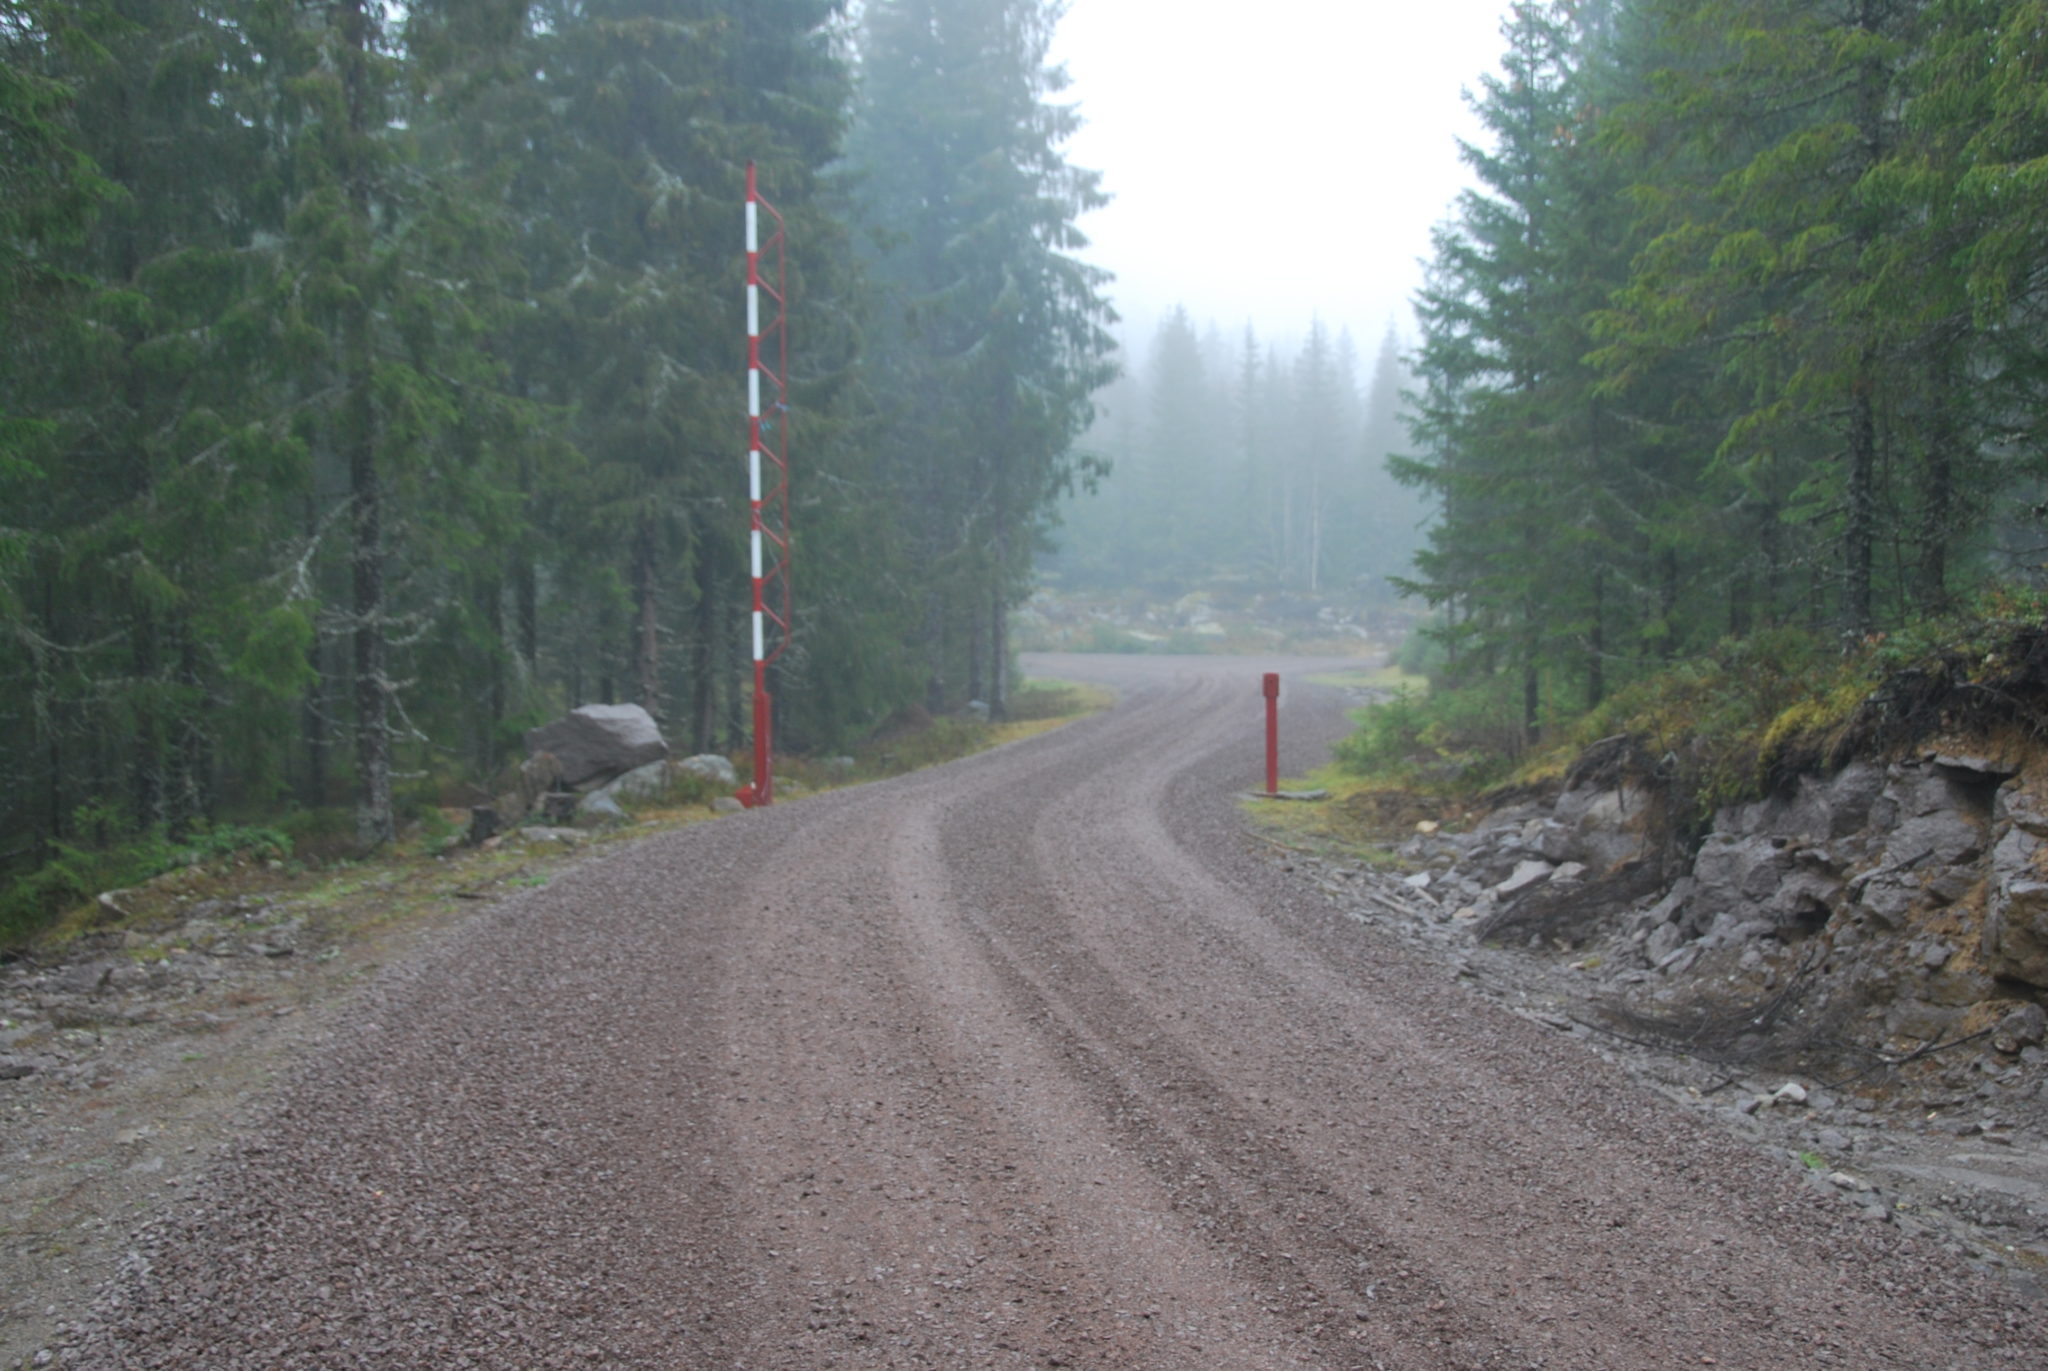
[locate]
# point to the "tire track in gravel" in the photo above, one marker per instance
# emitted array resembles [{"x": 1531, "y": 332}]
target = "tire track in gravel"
[{"x": 1026, "y": 1061}]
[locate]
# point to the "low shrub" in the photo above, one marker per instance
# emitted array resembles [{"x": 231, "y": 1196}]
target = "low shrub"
[{"x": 75, "y": 873}]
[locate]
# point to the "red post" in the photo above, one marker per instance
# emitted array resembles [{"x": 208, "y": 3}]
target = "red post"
[
  {"x": 762, "y": 791},
  {"x": 1272, "y": 690},
  {"x": 767, "y": 469}
]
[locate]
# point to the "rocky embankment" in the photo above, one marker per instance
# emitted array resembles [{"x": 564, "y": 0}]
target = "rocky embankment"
[{"x": 1853, "y": 971}]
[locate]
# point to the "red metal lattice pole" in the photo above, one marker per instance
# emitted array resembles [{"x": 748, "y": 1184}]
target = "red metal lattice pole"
[{"x": 767, "y": 474}]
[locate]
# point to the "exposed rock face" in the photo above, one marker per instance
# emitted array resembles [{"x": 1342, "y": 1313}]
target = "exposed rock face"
[
  {"x": 1600, "y": 827},
  {"x": 1917, "y": 888},
  {"x": 2016, "y": 915},
  {"x": 594, "y": 743}
]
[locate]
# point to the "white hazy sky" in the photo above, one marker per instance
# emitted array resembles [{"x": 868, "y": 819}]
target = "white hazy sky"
[{"x": 1273, "y": 160}]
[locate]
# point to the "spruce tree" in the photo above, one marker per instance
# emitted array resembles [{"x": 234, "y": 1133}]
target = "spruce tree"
[{"x": 991, "y": 332}]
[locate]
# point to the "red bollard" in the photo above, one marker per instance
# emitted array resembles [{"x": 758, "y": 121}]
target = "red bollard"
[{"x": 1272, "y": 686}]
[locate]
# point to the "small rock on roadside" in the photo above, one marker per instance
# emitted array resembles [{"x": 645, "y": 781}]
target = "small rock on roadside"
[{"x": 2022, "y": 1028}]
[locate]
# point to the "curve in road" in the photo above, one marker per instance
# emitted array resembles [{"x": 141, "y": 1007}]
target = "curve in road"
[{"x": 1023, "y": 1061}]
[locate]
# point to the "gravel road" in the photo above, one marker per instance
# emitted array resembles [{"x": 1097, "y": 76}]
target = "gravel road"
[{"x": 1025, "y": 1061}]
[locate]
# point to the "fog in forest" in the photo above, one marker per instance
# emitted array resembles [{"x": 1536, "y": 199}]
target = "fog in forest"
[{"x": 1274, "y": 185}]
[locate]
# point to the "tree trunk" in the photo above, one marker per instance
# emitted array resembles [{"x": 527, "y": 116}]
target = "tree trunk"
[
  {"x": 1532, "y": 703},
  {"x": 526, "y": 603},
  {"x": 976, "y": 688},
  {"x": 1596, "y": 646},
  {"x": 313, "y": 719},
  {"x": 998, "y": 659},
  {"x": 147, "y": 789},
  {"x": 493, "y": 597},
  {"x": 1667, "y": 601},
  {"x": 1860, "y": 535},
  {"x": 703, "y": 639},
  {"x": 48, "y": 714},
  {"x": 1315, "y": 532},
  {"x": 935, "y": 653},
  {"x": 646, "y": 629},
  {"x": 1773, "y": 592},
  {"x": 1937, "y": 487},
  {"x": 313, "y": 706},
  {"x": 374, "y": 819},
  {"x": 191, "y": 798},
  {"x": 736, "y": 646}
]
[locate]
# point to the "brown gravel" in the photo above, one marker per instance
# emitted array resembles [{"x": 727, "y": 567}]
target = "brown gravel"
[{"x": 1025, "y": 1061}]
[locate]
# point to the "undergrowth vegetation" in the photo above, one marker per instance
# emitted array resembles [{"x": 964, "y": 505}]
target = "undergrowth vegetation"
[
  {"x": 76, "y": 872},
  {"x": 1736, "y": 722},
  {"x": 58, "y": 891}
]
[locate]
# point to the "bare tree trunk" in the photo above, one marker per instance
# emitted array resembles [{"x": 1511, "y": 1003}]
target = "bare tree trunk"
[
  {"x": 191, "y": 797},
  {"x": 703, "y": 639},
  {"x": 1937, "y": 487},
  {"x": 313, "y": 719},
  {"x": 374, "y": 820},
  {"x": 1531, "y": 681},
  {"x": 493, "y": 596},
  {"x": 313, "y": 705},
  {"x": 147, "y": 789},
  {"x": 48, "y": 715},
  {"x": 1596, "y": 645},
  {"x": 976, "y": 690},
  {"x": 1315, "y": 532},
  {"x": 739, "y": 674},
  {"x": 1000, "y": 636},
  {"x": 1860, "y": 535},
  {"x": 647, "y": 633},
  {"x": 935, "y": 652},
  {"x": 1667, "y": 601},
  {"x": 526, "y": 604}
]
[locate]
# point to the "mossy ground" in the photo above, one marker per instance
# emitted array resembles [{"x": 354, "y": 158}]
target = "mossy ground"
[{"x": 1733, "y": 723}]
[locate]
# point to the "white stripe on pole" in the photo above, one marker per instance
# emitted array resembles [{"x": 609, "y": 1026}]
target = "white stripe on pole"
[
  {"x": 753, "y": 394},
  {"x": 753, "y": 311},
  {"x": 760, "y": 642},
  {"x": 757, "y": 553},
  {"x": 754, "y": 474},
  {"x": 753, "y": 230}
]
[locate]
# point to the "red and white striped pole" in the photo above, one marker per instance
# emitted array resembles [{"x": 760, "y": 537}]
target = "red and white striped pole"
[{"x": 767, "y": 476}]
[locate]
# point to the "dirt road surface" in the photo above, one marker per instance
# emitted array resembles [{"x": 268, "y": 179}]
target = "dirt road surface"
[{"x": 1025, "y": 1061}]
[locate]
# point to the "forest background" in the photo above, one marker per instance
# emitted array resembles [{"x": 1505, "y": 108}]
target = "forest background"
[
  {"x": 368, "y": 377},
  {"x": 372, "y": 382}
]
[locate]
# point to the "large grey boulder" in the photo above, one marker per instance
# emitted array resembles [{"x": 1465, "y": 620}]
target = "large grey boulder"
[{"x": 594, "y": 743}]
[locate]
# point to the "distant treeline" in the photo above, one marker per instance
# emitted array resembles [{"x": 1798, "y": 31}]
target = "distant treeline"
[
  {"x": 372, "y": 379},
  {"x": 1743, "y": 329},
  {"x": 1236, "y": 461}
]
